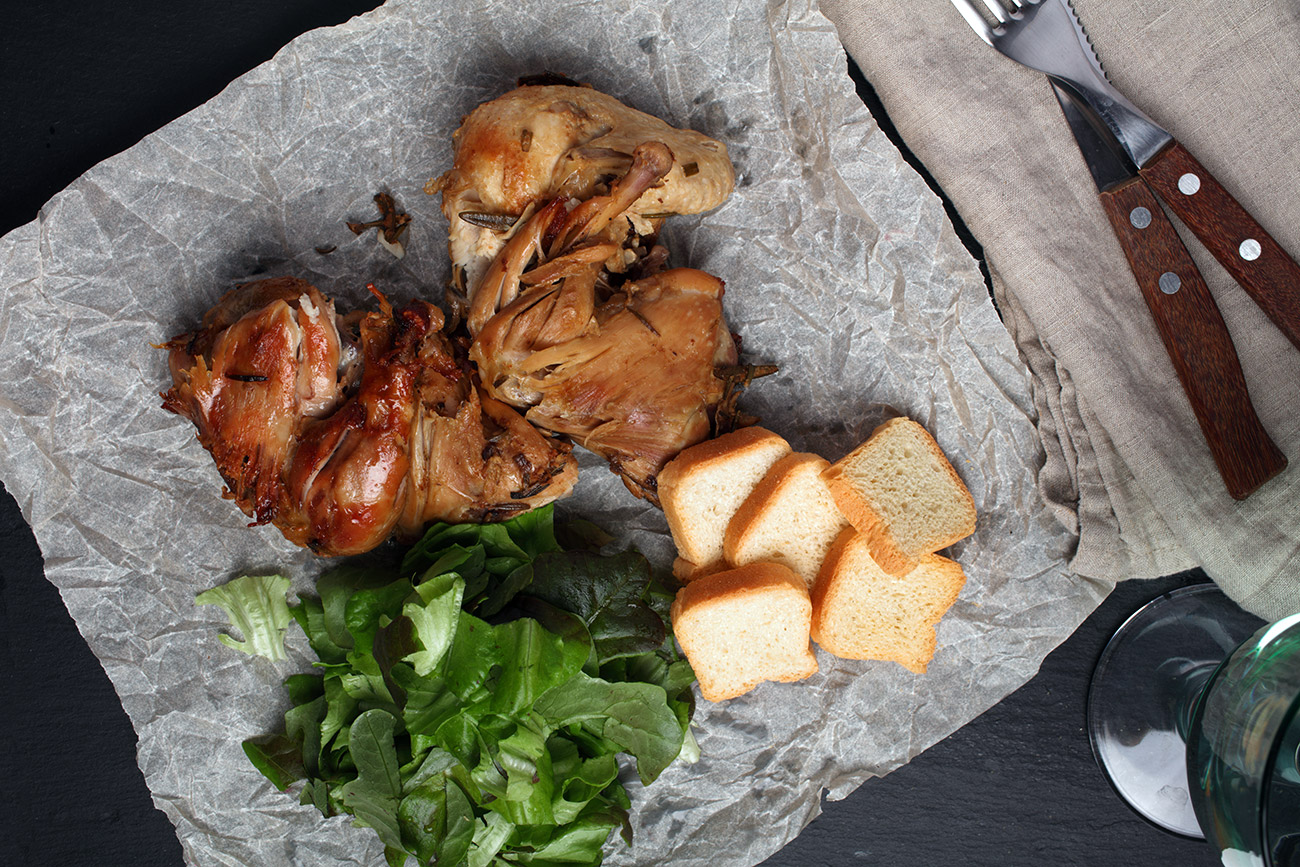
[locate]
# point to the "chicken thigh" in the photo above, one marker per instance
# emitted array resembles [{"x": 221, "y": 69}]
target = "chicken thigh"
[{"x": 344, "y": 431}]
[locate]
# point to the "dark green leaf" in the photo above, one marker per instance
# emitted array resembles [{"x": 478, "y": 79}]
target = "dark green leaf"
[
  {"x": 458, "y": 735},
  {"x": 367, "y": 688},
  {"x": 341, "y": 710},
  {"x": 374, "y": 795},
  {"x": 336, "y": 587},
  {"x": 422, "y": 815},
  {"x": 428, "y": 701},
  {"x": 310, "y": 615},
  {"x": 459, "y": 828},
  {"x": 278, "y": 757},
  {"x": 606, "y": 592},
  {"x": 460, "y": 559},
  {"x": 429, "y": 771},
  {"x": 680, "y": 678},
  {"x": 529, "y": 661},
  {"x": 302, "y": 724},
  {"x": 499, "y": 593},
  {"x": 579, "y": 535},
  {"x": 303, "y": 688},
  {"x": 579, "y": 843},
  {"x": 659, "y": 595},
  {"x": 437, "y": 540},
  {"x": 317, "y": 793},
  {"x": 372, "y": 748},
  {"x": 534, "y": 531},
  {"x": 437, "y": 822},
  {"x": 565, "y": 624},
  {"x": 365, "y": 609}
]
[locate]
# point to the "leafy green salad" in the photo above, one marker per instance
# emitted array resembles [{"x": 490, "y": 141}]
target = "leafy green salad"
[{"x": 472, "y": 702}]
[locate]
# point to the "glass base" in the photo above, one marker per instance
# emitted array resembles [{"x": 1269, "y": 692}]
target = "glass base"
[{"x": 1143, "y": 691}]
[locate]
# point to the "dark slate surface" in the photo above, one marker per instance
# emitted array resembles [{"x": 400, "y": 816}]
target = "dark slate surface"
[{"x": 80, "y": 81}]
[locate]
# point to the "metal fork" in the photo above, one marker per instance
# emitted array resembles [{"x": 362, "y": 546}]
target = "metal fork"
[{"x": 1046, "y": 36}]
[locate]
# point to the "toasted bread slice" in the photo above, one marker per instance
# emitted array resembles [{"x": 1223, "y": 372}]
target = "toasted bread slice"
[
  {"x": 862, "y": 612},
  {"x": 789, "y": 518},
  {"x": 899, "y": 490},
  {"x": 744, "y": 626},
  {"x": 703, "y": 486}
]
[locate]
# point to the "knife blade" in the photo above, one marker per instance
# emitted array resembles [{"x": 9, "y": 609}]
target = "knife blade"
[{"x": 1189, "y": 323}]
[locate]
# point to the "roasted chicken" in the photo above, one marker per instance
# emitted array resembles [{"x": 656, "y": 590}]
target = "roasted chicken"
[
  {"x": 573, "y": 319},
  {"x": 342, "y": 431},
  {"x": 628, "y": 372},
  {"x": 538, "y": 143}
]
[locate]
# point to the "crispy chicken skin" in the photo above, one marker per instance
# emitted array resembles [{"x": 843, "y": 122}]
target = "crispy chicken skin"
[{"x": 341, "y": 439}]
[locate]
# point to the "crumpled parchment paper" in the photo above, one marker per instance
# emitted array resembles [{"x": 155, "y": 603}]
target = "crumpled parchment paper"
[{"x": 840, "y": 265}]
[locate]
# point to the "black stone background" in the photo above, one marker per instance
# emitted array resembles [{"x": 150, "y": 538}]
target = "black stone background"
[{"x": 81, "y": 81}]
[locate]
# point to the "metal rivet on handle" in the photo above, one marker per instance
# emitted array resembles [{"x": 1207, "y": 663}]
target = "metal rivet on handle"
[
  {"x": 1188, "y": 184},
  {"x": 1249, "y": 250},
  {"x": 1169, "y": 283},
  {"x": 1140, "y": 217}
]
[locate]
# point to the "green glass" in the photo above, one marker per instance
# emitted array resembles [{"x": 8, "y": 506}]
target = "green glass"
[
  {"x": 1241, "y": 750},
  {"x": 1192, "y": 712}
]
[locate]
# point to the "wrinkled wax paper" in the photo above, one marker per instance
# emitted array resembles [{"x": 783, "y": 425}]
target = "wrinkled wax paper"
[{"x": 840, "y": 266}]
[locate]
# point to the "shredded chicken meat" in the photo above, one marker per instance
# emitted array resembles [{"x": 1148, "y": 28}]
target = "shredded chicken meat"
[{"x": 627, "y": 373}]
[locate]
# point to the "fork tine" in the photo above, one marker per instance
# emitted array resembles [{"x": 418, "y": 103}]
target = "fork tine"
[
  {"x": 974, "y": 19},
  {"x": 997, "y": 10}
]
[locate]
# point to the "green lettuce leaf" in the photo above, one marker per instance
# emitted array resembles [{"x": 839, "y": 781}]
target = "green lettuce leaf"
[
  {"x": 635, "y": 716},
  {"x": 257, "y": 606},
  {"x": 374, "y": 795},
  {"x": 278, "y": 757},
  {"x": 607, "y": 593},
  {"x": 472, "y": 705}
]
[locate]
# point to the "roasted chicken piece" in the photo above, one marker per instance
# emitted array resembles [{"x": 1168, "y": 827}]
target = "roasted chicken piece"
[
  {"x": 626, "y": 371},
  {"x": 343, "y": 431},
  {"x": 537, "y": 143},
  {"x": 639, "y": 385}
]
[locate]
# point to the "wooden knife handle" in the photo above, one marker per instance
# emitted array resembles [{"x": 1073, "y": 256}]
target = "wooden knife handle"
[
  {"x": 1240, "y": 244},
  {"x": 1196, "y": 338}
]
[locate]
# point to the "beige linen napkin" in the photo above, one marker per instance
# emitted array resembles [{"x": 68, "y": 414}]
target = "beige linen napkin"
[{"x": 1126, "y": 466}]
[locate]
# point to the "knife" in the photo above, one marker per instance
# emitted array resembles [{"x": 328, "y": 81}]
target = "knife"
[{"x": 1188, "y": 320}]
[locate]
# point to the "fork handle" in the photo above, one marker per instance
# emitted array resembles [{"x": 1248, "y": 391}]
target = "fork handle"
[
  {"x": 1241, "y": 245},
  {"x": 1195, "y": 337}
]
